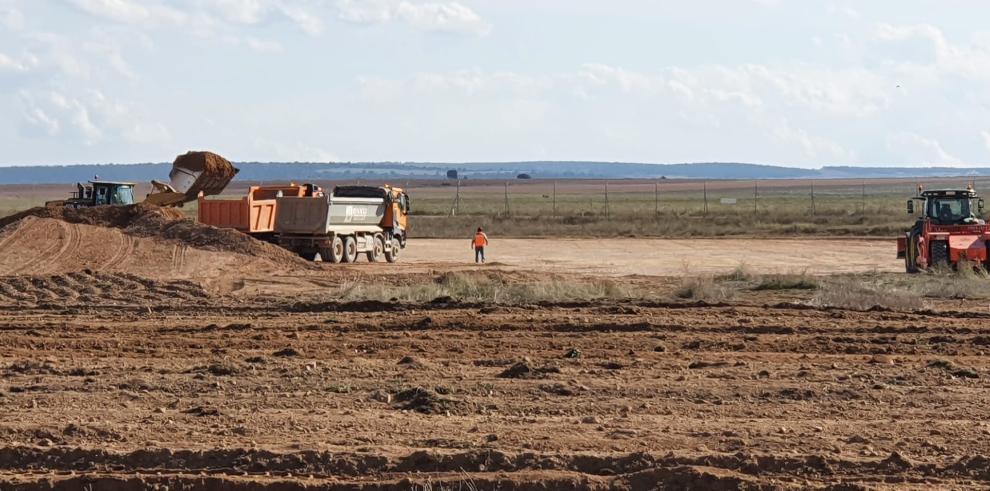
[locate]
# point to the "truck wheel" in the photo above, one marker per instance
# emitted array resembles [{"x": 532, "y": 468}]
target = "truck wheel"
[
  {"x": 392, "y": 255},
  {"x": 376, "y": 250},
  {"x": 350, "y": 250},
  {"x": 335, "y": 253},
  {"x": 940, "y": 254},
  {"x": 307, "y": 255}
]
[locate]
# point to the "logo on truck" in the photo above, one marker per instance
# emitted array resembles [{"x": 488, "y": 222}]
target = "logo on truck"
[{"x": 351, "y": 213}]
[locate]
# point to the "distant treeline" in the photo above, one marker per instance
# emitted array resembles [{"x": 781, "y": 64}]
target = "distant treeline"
[{"x": 301, "y": 171}]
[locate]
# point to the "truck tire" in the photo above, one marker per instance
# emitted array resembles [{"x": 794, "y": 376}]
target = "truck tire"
[
  {"x": 335, "y": 253},
  {"x": 350, "y": 250},
  {"x": 376, "y": 250},
  {"x": 308, "y": 255},
  {"x": 392, "y": 255},
  {"x": 940, "y": 254}
]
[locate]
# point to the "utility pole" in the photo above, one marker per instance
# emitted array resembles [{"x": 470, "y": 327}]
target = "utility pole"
[{"x": 705, "y": 191}]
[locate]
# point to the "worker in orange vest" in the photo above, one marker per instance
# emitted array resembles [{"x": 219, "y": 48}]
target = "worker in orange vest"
[{"x": 478, "y": 243}]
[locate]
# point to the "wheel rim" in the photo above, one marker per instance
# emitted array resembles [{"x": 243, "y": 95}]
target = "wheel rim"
[{"x": 337, "y": 250}]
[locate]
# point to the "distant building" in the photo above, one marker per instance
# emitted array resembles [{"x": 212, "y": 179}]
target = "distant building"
[
  {"x": 524, "y": 176},
  {"x": 452, "y": 174}
]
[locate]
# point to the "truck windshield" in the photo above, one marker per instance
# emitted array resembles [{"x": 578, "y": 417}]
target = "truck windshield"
[{"x": 949, "y": 209}]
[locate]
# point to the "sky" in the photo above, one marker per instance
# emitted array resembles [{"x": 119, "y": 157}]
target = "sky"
[{"x": 789, "y": 82}]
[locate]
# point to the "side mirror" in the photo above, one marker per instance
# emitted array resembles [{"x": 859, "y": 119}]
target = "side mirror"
[{"x": 911, "y": 207}]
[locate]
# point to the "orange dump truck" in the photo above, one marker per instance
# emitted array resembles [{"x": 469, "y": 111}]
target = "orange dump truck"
[{"x": 254, "y": 213}]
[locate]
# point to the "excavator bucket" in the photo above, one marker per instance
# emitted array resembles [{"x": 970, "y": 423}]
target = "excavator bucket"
[{"x": 193, "y": 173}]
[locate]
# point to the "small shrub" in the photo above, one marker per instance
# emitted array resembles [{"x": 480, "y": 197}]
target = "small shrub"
[
  {"x": 787, "y": 282},
  {"x": 702, "y": 288},
  {"x": 857, "y": 295},
  {"x": 741, "y": 273}
]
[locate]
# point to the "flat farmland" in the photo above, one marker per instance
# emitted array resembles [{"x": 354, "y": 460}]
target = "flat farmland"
[{"x": 134, "y": 357}]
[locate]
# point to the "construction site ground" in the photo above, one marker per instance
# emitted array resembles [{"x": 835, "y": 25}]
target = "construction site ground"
[{"x": 130, "y": 361}]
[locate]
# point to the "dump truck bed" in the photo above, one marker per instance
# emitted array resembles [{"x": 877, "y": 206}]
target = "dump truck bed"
[
  {"x": 328, "y": 215},
  {"x": 252, "y": 214}
]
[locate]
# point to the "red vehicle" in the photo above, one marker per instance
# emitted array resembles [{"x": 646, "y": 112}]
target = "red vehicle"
[{"x": 948, "y": 232}]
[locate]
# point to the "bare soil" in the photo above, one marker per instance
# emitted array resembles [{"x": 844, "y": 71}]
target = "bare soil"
[{"x": 122, "y": 367}]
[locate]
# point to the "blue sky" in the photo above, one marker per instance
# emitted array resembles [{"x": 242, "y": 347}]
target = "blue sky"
[{"x": 790, "y": 82}]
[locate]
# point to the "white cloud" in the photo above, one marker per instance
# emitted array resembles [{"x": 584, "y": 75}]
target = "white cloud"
[
  {"x": 915, "y": 148},
  {"x": 86, "y": 117},
  {"x": 11, "y": 18},
  {"x": 119, "y": 10},
  {"x": 450, "y": 17},
  {"x": 22, "y": 64},
  {"x": 986, "y": 139}
]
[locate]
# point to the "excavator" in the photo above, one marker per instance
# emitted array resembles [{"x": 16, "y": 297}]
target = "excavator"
[{"x": 193, "y": 174}]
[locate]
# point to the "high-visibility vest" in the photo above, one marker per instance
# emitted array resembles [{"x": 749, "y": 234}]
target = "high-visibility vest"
[{"x": 480, "y": 240}]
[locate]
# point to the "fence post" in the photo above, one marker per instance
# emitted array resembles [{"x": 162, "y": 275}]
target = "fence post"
[
  {"x": 656, "y": 198},
  {"x": 705, "y": 191},
  {"x": 457, "y": 197},
  {"x": 506, "y": 198},
  {"x": 862, "y": 200},
  {"x": 756, "y": 198},
  {"x": 555, "y": 199},
  {"x": 606, "y": 200},
  {"x": 812, "y": 197}
]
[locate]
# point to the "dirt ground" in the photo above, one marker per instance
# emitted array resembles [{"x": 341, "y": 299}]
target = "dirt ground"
[
  {"x": 666, "y": 257},
  {"x": 152, "y": 373}
]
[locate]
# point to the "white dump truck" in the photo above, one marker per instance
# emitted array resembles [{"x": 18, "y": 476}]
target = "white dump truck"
[{"x": 339, "y": 226}]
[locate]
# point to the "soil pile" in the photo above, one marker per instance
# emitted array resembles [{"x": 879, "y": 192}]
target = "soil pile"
[
  {"x": 146, "y": 220},
  {"x": 208, "y": 162},
  {"x": 104, "y": 216}
]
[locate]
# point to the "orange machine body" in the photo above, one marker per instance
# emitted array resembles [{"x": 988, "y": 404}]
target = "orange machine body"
[{"x": 252, "y": 214}]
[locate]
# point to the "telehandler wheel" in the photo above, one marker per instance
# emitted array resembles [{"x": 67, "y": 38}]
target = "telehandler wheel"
[
  {"x": 336, "y": 252},
  {"x": 392, "y": 255},
  {"x": 940, "y": 254},
  {"x": 350, "y": 250},
  {"x": 377, "y": 250},
  {"x": 911, "y": 256}
]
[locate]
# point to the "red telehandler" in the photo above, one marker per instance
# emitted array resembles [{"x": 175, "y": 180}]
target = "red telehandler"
[{"x": 949, "y": 231}]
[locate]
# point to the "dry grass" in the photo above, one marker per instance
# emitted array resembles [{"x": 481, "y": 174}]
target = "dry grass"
[
  {"x": 487, "y": 288},
  {"x": 703, "y": 288},
  {"x": 859, "y": 295},
  {"x": 801, "y": 281}
]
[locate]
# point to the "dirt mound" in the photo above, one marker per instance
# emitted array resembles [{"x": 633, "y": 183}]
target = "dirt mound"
[
  {"x": 91, "y": 288},
  {"x": 154, "y": 224},
  {"x": 210, "y": 162},
  {"x": 145, "y": 220},
  {"x": 43, "y": 246}
]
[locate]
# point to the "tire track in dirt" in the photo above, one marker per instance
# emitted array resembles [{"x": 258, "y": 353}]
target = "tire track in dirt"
[
  {"x": 41, "y": 255},
  {"x": 124, "y": 251},
  {"x": 73, "y": 239}
]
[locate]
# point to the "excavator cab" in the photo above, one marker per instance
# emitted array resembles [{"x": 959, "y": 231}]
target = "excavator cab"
[{"x": 98, "y": 193}]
